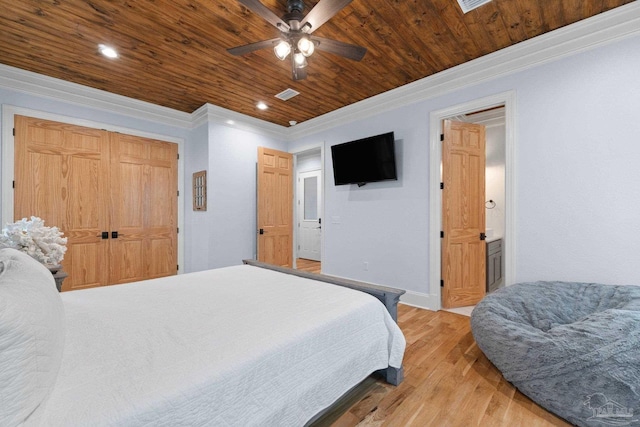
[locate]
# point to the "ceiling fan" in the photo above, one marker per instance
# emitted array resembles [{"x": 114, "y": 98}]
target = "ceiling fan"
[{"x": 295, "y": 34}]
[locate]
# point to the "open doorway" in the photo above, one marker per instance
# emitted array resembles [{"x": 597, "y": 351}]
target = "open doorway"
[
  {"x": 308, "y": 207},
  {"x": 493, "y": 119},
  {"x": 496, "y": 113}
]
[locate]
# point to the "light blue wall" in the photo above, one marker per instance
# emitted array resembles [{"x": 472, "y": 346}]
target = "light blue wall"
[
  {"x": 231, "y": 211},
  {"x": 196, "y": 223},
  {"x": 225, "y": 233},
  {"x": 577, "y": 178},
  {"x": 385, "y": 223}
]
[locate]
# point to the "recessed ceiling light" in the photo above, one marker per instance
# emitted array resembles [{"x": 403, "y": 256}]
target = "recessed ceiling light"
[
  {"x": 262, "y": 106},
  {"x": 292, "y": 123},
  {"x": 231, "y": 122},
  {"x": 107, "y": 51}
]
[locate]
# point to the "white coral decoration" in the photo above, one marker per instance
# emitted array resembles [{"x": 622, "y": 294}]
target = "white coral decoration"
[{"x": 45, "y": 244}]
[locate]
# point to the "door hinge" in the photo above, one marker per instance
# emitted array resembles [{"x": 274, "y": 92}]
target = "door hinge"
[
  {"x": 178, "y": 192},
  {"x": 442, "y": 185},
  {"x": 14, "y": 184},
  {"x": 177, "y": 229},
  {"x": 178, "y": 156},
  {"x": 442, "y": 234},
  {"x": 14, "y": 131},
  {"x": 483, "y": 236},
  {"x": 178, "y": 267},
  {"x": 441, "y": 283},
  {"x": 442, "y": 137}
]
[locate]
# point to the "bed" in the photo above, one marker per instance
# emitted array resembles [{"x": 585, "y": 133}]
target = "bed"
[{"x": 236, "y": 346}]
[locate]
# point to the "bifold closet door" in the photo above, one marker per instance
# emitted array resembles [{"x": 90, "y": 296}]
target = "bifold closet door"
[
  {"x": 61, "y": 175},
  {"x": 114, "y": 196}
]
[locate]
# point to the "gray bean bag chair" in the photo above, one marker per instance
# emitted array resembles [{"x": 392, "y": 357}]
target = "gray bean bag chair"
[{"x": 574, "y": 348}]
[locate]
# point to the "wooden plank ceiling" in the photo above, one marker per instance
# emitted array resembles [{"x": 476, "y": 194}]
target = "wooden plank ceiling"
[{"x": 173, "y": 52}]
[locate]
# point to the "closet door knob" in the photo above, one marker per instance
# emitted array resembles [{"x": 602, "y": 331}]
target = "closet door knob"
[
  {"x": 105, "y": 235},
  {"x": 114, "y": 234}
]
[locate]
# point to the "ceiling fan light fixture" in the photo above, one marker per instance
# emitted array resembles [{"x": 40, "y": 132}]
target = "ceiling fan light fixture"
[
  {"x": 295, "y": 42},
  {"x": 306, "y": 46},
  {"x": 282, "y": 49},
  {"x": 300, "y": 60}
]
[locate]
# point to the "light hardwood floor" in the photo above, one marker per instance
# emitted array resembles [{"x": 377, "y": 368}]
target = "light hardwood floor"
[
  {"x": 448, "y": 382},
  {"x": 308, "y": 265}
]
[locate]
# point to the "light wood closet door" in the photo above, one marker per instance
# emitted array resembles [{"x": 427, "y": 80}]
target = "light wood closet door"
[
  {"x": 89, "y": 181},
  {"x": 61, "y": 175},
  {"x": 144, "y": 187}
]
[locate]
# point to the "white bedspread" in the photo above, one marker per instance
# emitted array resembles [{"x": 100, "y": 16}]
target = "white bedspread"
[{"x": 236, "y": 346}]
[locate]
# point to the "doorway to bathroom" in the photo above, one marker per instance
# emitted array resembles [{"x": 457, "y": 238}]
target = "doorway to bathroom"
[{"x": 497, "y": 238}]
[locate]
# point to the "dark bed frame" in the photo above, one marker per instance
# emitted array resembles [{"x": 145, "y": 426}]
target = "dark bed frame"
[{"x": 388, "y": 296}]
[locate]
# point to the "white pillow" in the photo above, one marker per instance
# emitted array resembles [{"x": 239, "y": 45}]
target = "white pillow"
[{"x": 31, "y": 337}]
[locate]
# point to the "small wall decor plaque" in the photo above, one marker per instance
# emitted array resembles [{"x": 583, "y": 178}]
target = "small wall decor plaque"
[{"x": 200, "y": 191}]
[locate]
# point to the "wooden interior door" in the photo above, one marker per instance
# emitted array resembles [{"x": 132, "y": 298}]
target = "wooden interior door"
[
  {"x": 144, "y": 191},
  {"x": 61, "y": 175},
  {"x": 463, "y": 214},
  {"x": 275, "y": 207}
]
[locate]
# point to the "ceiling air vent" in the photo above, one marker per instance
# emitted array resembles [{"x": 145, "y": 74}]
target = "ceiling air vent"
[
  {"x": 469, "y": 5},
  {"x": 287, "y": 94}
]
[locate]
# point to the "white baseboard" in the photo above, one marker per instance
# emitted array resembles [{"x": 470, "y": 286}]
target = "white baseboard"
[{"x": 420, "y": 300}]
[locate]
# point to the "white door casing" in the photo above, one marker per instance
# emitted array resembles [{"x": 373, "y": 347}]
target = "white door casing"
[
  {"x": 432, "y": 301},
  {"x": 309, "y": 208}
]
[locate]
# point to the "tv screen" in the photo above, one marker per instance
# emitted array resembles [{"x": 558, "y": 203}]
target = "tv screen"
[{"x": 364, "y": 160}]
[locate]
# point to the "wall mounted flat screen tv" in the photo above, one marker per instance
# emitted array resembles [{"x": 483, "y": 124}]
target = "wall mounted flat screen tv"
[{"x": 365, "y": 160}]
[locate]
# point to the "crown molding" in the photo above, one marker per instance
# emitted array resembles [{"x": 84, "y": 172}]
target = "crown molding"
[
  {"x": 210, "y": 113},
  {"x": 616, "y": 24},
  {"x": 50, "y": 87}
]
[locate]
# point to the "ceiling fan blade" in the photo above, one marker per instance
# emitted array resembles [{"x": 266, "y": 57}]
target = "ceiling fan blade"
[
  {"x": 347, "y": 50},
  {"x": 266, "y": 13},
  {"x": 322, "y": 12},
  {"x": 251, "y": 47}
]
